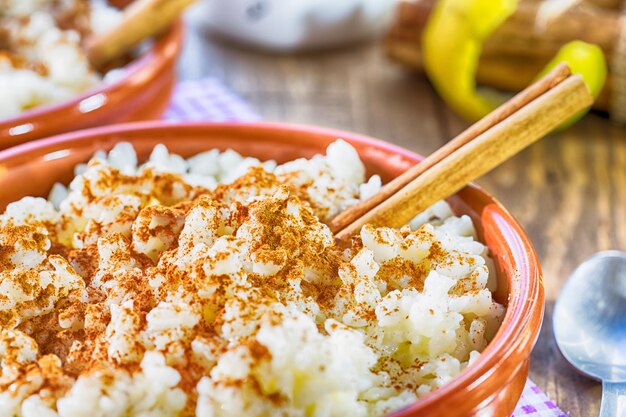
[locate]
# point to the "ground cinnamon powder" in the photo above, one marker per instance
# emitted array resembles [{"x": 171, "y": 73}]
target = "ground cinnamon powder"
[{"x": 294, "y": 246}]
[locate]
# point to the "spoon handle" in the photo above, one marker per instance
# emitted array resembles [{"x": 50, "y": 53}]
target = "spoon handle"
[{"x": 613, "y": 399}]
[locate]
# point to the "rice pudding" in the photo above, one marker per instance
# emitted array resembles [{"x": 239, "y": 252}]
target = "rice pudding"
[
  {"x": 42, "y": 59},
  {"x": 211, "y": 286}
]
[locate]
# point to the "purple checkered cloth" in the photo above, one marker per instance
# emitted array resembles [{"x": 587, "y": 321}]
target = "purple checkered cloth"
[
  {"x": 536, "y": 404},
  {"x": 210, "y": 100}
]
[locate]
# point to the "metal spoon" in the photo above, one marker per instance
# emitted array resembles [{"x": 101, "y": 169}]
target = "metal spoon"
[{"x": 590, "y": 325}]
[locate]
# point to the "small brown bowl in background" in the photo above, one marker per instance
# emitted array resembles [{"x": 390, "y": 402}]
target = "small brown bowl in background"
[
  {"x": 142, "y": 93},
  {"x": 491, "y": 386}
]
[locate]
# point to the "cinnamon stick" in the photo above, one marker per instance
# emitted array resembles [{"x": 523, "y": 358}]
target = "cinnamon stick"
[
  {"x": 142, "y": 19},
  {"x": 607, "y": 4},
  {"x": 531, "y": 93},
  {"x": 510, "y": 73},
  {"x": 531, "y": 32},
  {"x": 478, "y": 156}
]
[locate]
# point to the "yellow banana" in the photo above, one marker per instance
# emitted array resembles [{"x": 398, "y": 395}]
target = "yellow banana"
[{"x": 452, "y": 44}]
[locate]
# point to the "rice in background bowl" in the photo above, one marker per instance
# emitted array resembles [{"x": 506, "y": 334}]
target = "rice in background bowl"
[
  {"x": 50, "y": 88},
  {"x": 42, "y": 57},
  {"x": 235, "y": 301}
]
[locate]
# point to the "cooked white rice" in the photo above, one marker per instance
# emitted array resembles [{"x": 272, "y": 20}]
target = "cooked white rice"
[
  {"x": 40, "y": 62},
  {"x": 210, "y": 286}
]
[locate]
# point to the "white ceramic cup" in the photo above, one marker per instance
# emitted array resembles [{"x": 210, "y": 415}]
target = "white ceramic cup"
[{"x": 289, "y": 25}]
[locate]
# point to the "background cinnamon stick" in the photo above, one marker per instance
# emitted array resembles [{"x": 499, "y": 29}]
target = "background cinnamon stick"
[
  {"x": 522, "y": 46},
  {"x": 608, "y": 4},
  {"x": 142, "y": 19}
]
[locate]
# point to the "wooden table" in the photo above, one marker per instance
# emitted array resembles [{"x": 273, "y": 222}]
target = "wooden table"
[{"x": 568, "y": 191}]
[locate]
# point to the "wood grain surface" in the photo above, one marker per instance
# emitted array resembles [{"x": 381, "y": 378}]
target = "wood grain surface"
[{"x": 568, "y": 190}]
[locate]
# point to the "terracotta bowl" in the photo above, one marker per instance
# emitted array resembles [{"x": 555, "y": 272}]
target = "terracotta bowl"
[
  {"x": 142, "y": 93},
  {"x": 490, "y": 387}
]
